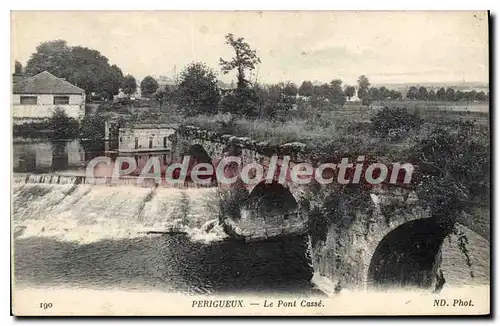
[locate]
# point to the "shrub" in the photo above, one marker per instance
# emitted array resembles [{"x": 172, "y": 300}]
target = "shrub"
[
  {"x": 395, "y": 122},
  {"x": 92, "y": 127},
  {"x": 62, "y": 126}
]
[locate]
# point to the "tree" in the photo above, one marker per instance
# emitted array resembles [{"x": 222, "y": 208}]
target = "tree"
[
  {"x": 432, "y": 95},
  {"x": 450, "y": 94},
  {"x": 306, "y": 89},
  {"x": 278, "y": 100},
  {"x": 129, "y": 85},
  {"x": 166, "y": 95},
  {"x": 384, "y": 93},
  {"x": 412, "y": 93},
  {"x": 84, "y": 67},
  {"x": 395, "y": 95},
  {"x": 245, "y": 58},
  {"x": 112, "y": 81},
  {"x": 18, "y": 67},
  {"x": 52, "y": 56},
  {"x": 481, "y": 96},
  {"x": 349, "y": 91},
  {"x": 422, "y": 93},
  {"x": 149, "y": 86},
  {"x": 335, "y": 94},
  {"x": 441, "y": 94},
  {"x": 198, "y": 91},
  {"x": 290, "y": 89},
  {"x": 363, "y": 89},
  {"x": 374, "y": 94}
]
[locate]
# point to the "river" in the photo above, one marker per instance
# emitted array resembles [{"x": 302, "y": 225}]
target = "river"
[{"x": 96, "y": 237}]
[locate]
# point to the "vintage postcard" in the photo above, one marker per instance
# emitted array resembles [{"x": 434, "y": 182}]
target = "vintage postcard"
[{"x": 322, "y": 163}]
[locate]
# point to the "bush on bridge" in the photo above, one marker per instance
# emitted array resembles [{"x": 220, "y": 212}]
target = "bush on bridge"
[{"x": 455, "y": 163}]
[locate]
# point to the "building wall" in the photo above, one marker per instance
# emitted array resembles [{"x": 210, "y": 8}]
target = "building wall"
[
  {"x": 127, "y": 138},
  {"x": 45, "y": 106},
  {"x": 39, "y": 154}
]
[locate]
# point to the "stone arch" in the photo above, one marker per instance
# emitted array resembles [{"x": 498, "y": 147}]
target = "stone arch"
[
  {"x": 269, "y": 199},
  {"x": 408, "y": 255}
]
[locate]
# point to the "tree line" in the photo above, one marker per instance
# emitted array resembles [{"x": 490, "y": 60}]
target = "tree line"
[
  {"x": 448, "y": 94},
  {"x": 85, "y": 68},
  {"x": 197, "y": 89}
]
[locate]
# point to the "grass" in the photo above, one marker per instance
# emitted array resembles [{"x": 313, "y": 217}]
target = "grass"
[{"x": 345, "y": 126}]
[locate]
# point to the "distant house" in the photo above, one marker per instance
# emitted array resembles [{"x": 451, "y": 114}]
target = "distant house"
[{"x": 38, "y": 96}]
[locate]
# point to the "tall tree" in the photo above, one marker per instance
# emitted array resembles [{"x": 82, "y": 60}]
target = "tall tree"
[
  {"x": 335, "y": 93},
  {"x": 363, "y": 89},
  {"x": 422, "y": 93},
  {"x": 349, "y": 91},
  {"x": 450, "y": 94},
  {"x": 129, "y": 85},
  {"x": 112, "y": 81},
  {"x": 432, "y": 95},
  {"x": 290, "y": 89},
  {"x": 384, "y": 93},
  {"x": 84, "y": 67},
  {"x": 149, "y": 86},
  {"x": 52, "y": 56},
  {"x": 441, "y": 94},
  {"x": 306, "y": 89},
  {"x": 374, "y": 94},
  {"x": 412, "y": 93},
  {"x": 198, "y": 91},
  {"x": 245, "y": 59}
]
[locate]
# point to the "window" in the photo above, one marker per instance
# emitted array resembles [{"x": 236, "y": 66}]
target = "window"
[
  {"x": 61, "y": 100},
  {"x": 150, "y": 142},
  {"x": 29, "y": 100},
  {"x": 136, "y": 142},
  {"x": 164, "y": 142}
]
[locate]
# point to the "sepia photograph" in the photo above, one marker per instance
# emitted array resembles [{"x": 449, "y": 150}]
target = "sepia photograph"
[{"x": 250, "y": 163}]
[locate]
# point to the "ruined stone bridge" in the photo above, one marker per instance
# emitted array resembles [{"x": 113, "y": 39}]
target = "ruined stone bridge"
[{"x": 395, "y": 242}]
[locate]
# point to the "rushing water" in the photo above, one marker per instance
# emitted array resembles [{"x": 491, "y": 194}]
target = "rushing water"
[{"x": 95, "y": 237}]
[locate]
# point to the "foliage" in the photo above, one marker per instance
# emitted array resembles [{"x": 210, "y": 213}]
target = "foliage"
[
  {"x": 198, "y": 91},
  {"x": 129, "y": 85},
  {"x": 394, "y": 122},
  {"x": 244, "y": 58},
  {"x": 92, "y": 127},
  {"x": 84, "y": 67},
  {"x": 455, "y": 162},
  {"x": 306, "y": 89},
  {"x": 242, "y": 101},
  {"x": 149, "y": 86},
  {"x": 62, "y": 126},
  {"x": 363, "y": 90},
  {"x": 334, "y": 206},
  {"x": 166, "y": 96},
  {"x": 349, "y": 91}
]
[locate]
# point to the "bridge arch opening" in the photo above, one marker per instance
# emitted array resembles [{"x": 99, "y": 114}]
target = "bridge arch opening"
[
  {"x": 198, "y": 154},
  {"x": 271, "y": 199},
  {"x": 408, "y": 256}
]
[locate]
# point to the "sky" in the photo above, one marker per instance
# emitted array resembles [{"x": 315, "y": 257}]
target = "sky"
[{"x": 388, "y": 47}]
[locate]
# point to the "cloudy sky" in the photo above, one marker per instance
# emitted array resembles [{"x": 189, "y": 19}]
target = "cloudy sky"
[{"x": 388, "y": 47}]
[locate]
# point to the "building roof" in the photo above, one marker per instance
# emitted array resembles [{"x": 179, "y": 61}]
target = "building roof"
[{"x": 45, "y": 83}]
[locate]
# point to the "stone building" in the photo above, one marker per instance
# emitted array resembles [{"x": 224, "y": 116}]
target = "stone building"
[{"x": 36, "y": 97}]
